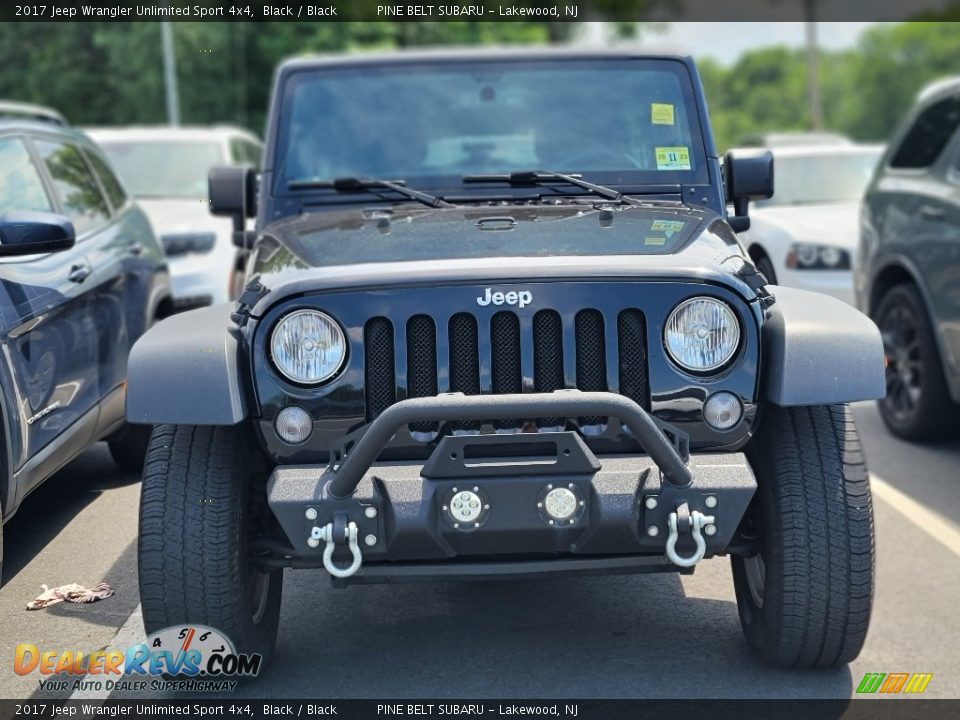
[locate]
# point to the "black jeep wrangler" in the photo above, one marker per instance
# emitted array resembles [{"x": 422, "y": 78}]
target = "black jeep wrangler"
[{"x": 498, "y": 323}]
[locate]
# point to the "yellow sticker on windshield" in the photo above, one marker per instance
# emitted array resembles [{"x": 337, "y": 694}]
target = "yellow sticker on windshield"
[
  {"x": 673, "y": 158},
  {"x": 667, "y": 226},
  {"x": 655, "y": 241},
  {"x": 661, "y": 113}
]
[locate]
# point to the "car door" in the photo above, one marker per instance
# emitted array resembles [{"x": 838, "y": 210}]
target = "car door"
[
  {"x": 50, "y": 347},
  {"x": 945, "y": 283}
]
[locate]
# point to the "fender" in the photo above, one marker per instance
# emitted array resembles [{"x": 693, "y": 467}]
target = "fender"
[
  {"x": 818, "y": 350},
  {"x": 185, "y": 370}
]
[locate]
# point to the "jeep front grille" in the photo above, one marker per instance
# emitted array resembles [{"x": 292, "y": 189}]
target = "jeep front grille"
[{"x": 472, "y": 354}]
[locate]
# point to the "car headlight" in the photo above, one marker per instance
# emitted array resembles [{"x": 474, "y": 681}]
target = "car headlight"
[
  {"x": 809, "y": 256},
  {"x": 702, "y": 334},
  {"x": 308, "y": 347}
]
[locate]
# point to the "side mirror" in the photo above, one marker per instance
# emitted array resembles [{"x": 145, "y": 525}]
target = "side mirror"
[
  {"x": 748, "y": 175},
  {"x": 24, "y": 232},
  {"x": 233, "y": 193}
]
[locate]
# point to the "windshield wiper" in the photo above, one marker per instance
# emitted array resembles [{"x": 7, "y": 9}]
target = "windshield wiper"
[
  {"x": 353, "y": 184},
  {"x": 535, "y": 177}
]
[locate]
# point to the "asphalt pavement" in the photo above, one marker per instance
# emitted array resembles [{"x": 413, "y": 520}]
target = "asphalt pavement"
[{"x": 647, "y": 636}]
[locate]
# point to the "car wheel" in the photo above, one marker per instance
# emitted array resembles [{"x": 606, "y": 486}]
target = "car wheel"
[
  {"x": 805, "y": 595},
  {"x": 765, "y": 266},
  {"x": 203, "y": 504},
  {"x": 917, "y": 405},
  {"x": 128, "y": 448}
]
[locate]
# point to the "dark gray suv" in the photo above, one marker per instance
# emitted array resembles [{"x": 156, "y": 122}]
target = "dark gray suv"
[{"x": 908, "y": 279}]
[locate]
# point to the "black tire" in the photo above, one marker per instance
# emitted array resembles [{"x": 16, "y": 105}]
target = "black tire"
[
  {"x": 917, "y": 405},
  {"x": 128, "y": 448},
  {"x": 203, "y": 501},
  {"x": 805, "y": 598},
  {"x": 765, "y": 266}
]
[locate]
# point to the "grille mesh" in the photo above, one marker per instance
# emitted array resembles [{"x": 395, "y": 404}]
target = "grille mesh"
[
  {"x": 548, "y": 358},
  {"x": 464, "y": 361},
  {"x": 467, "y": 352},
  {"x": 591, "y": 357},
  {"x": 507, "y": 376},
  {"x": 632, "y": 339},
  {"x": 422, "y": 363},
  {"x": 379, "y": 366}
]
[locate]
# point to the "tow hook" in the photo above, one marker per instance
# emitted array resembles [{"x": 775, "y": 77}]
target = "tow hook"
[
  {"x": 326, "y": 534},
  {"x": 694, "y": 521}
]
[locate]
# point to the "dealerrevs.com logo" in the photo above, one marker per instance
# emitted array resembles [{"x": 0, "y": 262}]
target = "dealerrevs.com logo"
[{"x": 191, "y": 658}]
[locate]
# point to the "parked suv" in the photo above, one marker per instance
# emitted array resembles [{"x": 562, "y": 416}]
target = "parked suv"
[
  {"x": 908, "y": 278},
  {"x": 166, "y": 169},
  {"x": 81, "y": 278},
  {"x": 498, "y": 323}
]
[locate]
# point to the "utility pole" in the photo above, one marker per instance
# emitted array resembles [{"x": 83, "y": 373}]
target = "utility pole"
[
  {"x": 813, "y": 74},
  {"x": 170, "y": 74}
]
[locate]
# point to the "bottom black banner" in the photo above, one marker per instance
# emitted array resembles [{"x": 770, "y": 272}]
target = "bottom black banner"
[{"x": 874, "y": 709}]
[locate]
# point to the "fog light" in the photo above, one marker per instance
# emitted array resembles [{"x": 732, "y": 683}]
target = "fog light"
[
  {"x": 722, "y": 411},
  {"x": 294, "y": 425},
  {"x": 560, "y": 504},
  {"x": 466, "y": 506}
]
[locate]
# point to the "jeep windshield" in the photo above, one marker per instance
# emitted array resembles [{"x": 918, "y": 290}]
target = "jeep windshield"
[{"x": 625, "y": 123}]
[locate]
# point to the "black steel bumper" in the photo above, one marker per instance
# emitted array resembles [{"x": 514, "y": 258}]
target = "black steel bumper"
[{"x": 409, "y": 524}]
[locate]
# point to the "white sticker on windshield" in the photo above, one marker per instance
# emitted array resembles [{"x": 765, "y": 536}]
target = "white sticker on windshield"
[{"x": 673, "y": 158}]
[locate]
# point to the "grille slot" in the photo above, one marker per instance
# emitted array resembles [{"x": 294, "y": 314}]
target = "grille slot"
[
  {"x": 422, "y": 363},
  {"x": 548, "y": 358},
  {"x": 379, "y": 366},
  {"x": 507, "y": 377},
  {"x": 591, "y": 357},
  {"x": 464, "y": 361},
  {"x": 632, "y": 340}
]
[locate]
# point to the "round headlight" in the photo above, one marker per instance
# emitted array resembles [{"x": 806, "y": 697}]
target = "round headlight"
[
  {"x": 701, "y": 334},
  {"x": 308, "y": 347}
]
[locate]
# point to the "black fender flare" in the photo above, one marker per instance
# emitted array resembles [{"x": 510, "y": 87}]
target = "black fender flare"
[
  {"x": 186, "y": 370},
  {"x": 818, "y": 350}
]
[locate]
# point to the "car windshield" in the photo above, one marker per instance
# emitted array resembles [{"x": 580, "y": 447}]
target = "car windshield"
[
  {"x": 622, "y": 122},
  {"x": 808, "y": 179},
  {"x": 164, "y": 168}
]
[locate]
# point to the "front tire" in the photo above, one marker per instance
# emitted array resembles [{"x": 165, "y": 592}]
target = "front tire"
[
  {"x": 203, "y": 501},
  {"x": 805, "y": 597}
]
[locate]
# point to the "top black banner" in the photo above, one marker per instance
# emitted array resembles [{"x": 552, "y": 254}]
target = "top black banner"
[{"x": 482, "y": 11}]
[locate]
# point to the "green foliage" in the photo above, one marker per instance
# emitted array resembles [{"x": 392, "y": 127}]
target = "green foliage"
[
  {"x": 112, "y": 73},
  {"x": 865, "y": 91}
]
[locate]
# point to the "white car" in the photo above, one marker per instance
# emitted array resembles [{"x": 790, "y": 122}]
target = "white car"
[
  {"x": 166, "y": 170},
  {"x": 806, "y": 235}
]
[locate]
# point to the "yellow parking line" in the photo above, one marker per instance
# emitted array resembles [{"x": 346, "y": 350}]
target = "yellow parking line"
[{"x": 927, "y": 520}]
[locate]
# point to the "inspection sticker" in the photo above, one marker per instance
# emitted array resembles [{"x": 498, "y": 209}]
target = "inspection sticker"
[
  {"x": 673, "y": 158},
  {"x": 661, "y": 113},
  {"x": 667, "y": 226},
  {"x": 654, "y": 241}
]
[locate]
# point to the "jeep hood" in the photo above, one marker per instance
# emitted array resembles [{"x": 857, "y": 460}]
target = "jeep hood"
[{"x": 405, "y": 245}]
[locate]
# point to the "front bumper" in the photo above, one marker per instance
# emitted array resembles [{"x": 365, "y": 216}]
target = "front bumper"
[{"x": 615, "y": 515}]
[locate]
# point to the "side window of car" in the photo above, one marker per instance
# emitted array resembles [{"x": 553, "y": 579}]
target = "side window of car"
[
  {"x": 928, "y": 135},
  {"x": 111, "y": 185},
  {"x": 77, "y": 188},
  {"x": 20, "y": 185}
]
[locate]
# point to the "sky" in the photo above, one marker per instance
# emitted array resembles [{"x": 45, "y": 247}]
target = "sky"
[{"x": 726, "y": 41}]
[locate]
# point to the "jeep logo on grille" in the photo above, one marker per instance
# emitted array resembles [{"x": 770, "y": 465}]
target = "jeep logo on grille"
[{"x": 520, "y": 298}]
